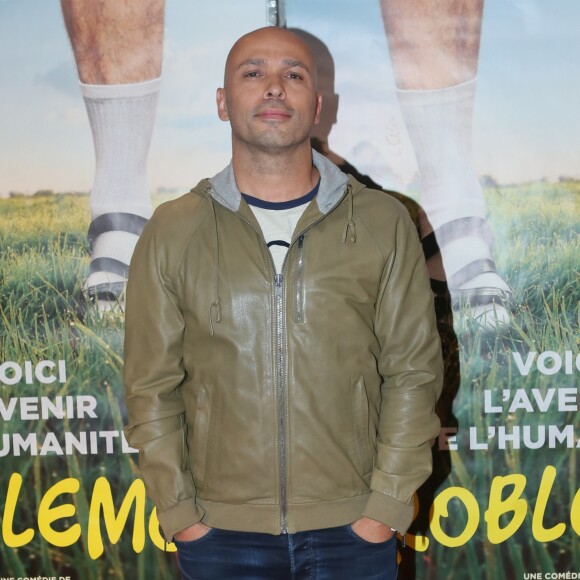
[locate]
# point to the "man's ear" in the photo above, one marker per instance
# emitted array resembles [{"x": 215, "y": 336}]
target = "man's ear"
[
  {"x": 222, "y": 108},
  {"x": 318, "y": 109}
]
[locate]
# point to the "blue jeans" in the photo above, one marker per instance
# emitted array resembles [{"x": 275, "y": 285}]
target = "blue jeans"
[{"x": 330, "y": 554}]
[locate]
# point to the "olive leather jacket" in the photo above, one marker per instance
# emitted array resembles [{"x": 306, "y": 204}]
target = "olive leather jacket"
[{"x": 281, "y": 402}]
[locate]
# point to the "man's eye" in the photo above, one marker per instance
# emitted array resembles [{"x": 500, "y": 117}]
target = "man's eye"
[
  {"x": 252, "y": 74},
  {"x": 295, "y": 76}
]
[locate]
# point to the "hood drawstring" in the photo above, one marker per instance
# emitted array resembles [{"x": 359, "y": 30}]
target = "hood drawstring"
[
  {"x": 350, "y": 222},
  {"x": 216, "y": 306}
]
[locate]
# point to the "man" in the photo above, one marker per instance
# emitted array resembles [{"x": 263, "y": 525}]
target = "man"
[{"x": 282, "y": 398}]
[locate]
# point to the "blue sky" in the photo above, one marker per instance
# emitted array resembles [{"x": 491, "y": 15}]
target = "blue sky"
[{"x": 526, "y": 125}]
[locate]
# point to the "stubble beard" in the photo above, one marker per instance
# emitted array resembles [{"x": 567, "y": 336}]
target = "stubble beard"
[
  {"x": 273, "y": 140},
  {"x": 275, "y": 143}
]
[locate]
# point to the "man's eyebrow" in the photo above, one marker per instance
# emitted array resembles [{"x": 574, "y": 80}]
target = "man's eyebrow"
[
  {"x": 292, "y": 62},
  {"x": 252, "y": 62},
  {"x": 261, "y": 61}
]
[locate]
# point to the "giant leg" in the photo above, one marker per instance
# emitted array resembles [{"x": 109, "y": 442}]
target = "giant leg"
[
  {"x": 434, "y": 47},
  {"x": 118, "y": 51}
]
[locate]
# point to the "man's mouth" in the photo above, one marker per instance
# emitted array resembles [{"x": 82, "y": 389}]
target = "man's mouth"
[{"x": 274, "y": 114}]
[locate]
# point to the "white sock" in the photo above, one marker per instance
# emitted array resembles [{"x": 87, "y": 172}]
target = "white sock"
[
  {"x": 122, "y": 119},
  {"x": 439, "y": 124}
]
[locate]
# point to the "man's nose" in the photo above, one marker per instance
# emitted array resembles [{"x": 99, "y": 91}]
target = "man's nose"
[{"x": 274, "y": 90}]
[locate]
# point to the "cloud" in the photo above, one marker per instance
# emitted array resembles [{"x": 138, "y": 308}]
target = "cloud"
[{"x": 62, "y": 78}]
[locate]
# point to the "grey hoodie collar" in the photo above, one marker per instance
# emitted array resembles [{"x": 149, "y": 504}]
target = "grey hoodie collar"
[{"x": 332, "y": 184}]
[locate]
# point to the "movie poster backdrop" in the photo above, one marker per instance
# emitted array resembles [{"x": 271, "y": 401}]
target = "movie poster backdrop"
[{"x": 504, "y": 499}]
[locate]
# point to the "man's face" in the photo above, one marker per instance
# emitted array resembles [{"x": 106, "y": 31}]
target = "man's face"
[{"x": 269, "y": 95}]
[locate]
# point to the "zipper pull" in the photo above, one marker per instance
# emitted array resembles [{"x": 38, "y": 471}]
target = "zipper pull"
[{"x": 278, "y": 279}]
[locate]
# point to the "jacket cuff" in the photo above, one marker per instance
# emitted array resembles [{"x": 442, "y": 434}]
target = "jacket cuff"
[
  {"x": 179, "y": 517},
  {"x": 389, "y": 511}
]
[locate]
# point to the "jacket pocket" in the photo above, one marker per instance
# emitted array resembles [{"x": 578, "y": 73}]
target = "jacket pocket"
[
  {"x": 299, "y": 292},
  {"x": 360, "y": 409},
  {"x": 201, "y": 432}
]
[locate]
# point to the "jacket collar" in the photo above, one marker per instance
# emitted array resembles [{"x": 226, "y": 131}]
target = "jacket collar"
[{"x": 332, "y": 184}]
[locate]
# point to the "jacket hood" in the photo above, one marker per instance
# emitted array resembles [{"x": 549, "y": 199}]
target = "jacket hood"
[{"x": 332, "y": 184}]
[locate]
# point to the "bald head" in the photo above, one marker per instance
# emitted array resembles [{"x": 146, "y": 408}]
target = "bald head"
[
  {"x": 255, "y": 45},
  {"x": 269, "y": 95}
]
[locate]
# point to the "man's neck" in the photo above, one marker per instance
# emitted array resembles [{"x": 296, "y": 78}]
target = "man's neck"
[{"x": 281, "y": 177}]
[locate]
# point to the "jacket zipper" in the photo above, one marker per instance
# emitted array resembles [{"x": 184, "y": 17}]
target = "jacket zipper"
[{"x": 281, "y": 364}]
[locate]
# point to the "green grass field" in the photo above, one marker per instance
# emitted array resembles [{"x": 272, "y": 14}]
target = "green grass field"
[{"x": 43, "y": 262}]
